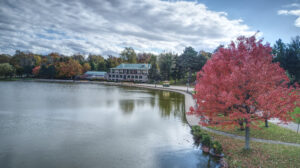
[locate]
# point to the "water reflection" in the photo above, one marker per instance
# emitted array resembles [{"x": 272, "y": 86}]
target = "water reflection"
[
  {"x": 127, "y": 106},
  {"x": 170, "y": 104},
  {"x": 88, "y": 125}
]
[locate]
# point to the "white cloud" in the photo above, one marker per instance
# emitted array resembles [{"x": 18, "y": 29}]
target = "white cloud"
[
  {"x": 107, "y": 26},
  {"x": 292, "y": 5},
  {"x": 295, "y": 12}
]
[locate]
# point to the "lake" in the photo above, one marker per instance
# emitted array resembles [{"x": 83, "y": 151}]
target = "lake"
[{"x": 66, "y": 125}]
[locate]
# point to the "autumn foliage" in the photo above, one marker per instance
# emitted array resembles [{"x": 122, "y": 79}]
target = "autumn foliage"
[
  {"x": 36, "y": 70},
  {"x": 68, "y": 69},
  {"x": 241, "y": 85}
]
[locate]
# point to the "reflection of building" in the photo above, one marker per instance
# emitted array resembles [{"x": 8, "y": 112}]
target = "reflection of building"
[
  {"x": 130, "y": 72},
  {"x": 95, "y": 75}
]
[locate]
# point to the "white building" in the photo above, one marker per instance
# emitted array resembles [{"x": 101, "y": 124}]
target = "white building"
[{"x": 130, "y": 72}]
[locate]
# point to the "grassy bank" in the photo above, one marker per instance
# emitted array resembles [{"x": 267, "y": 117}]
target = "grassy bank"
[
  {"x": 260, "y": 155},
  {"x": 273, "y": 132}
]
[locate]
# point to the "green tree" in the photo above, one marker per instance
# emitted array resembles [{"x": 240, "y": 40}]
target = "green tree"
[
  {"x": 97, "y": 62},
  {"x": 289, "y": 57},
  {"x": 165, "y": 65},
  {"x": 176, "y": 70},
  {"x": 293, "y": 58},
  {"x": 6, "y": 70},
  {"x": 201, "y": 59},
  {"x": 4, "y": 58},
  {"x": 279, "y": 51},
  {"x": 79, "y": 58},
  {"x": 112, "y": 61},
  {"x": 153, "y": 71},
  {"x": 24, "y": 62},
  {"x": 47, "y": 71},
  {"x": 128, "y": 55},
  {"x": 187, "y": 61}
]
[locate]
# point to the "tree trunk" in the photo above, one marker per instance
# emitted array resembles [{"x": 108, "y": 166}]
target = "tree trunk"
[
  {"x": 266, "y": 123},
  {"x": 247, "y": 138},
  {"x": 241, "y": 125}
]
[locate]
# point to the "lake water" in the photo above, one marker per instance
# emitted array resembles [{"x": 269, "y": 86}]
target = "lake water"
[{"x": 65, "y": 125}]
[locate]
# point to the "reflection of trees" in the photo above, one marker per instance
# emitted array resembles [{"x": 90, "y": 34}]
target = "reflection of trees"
[
  {"x": 140, "y": 102},
  {"x": 171, "y": 103},
  {"x": 127, "y": 106}
]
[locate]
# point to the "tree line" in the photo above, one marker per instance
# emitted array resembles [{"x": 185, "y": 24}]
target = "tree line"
[
  {"x": 165, "y": 66},
  {"x": 178, "y": 68}
]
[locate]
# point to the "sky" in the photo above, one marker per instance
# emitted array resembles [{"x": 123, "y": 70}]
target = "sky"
[{"x": 107, "y": 26}]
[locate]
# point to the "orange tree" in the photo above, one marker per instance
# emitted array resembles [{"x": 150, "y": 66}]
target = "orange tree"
[{"x": 68, "y": 69}]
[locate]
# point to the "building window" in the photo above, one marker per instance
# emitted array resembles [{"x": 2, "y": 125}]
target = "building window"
[
  {"x": 109, "y": 75},
  {"x": 128, "y": 77},
  {"x": 121, "y": 76},
  {"x": 117, "y": 76},
  {"x": 136, "y": 77},
  {"x": 113, "y": 76},
  {"x": 140, "y": 77}
]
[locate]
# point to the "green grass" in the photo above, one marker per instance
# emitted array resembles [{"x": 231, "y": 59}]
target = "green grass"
[
  {"x": 273, "y": 132},
  {"x": 260, "y": 155}
]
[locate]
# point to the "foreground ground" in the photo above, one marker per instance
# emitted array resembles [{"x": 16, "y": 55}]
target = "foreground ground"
[{"x": 260, "y": 155}]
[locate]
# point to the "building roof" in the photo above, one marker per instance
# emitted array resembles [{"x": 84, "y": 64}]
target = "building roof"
[
  {"x": 133, "y": 66},
  {"x": 95, "y": 73}
]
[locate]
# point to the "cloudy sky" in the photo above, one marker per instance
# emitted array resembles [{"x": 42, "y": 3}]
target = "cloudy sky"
[{"x": 107, "y": 26}]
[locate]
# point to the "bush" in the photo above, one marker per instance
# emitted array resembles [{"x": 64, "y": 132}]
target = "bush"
[
  {"x": 217, "y": 147},
  {"x": 197, "y": 134},
  {"x": 196, "y": 128},
  {"x": 206, "y": 140},
  {"x": 6, "y": 70}
]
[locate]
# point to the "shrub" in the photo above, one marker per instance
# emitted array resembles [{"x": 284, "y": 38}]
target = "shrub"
[
  {"x": 6, "y": 70},
  {"x": 196, "y": 128},
  {"x": 206, "y": 140},
  {"x": 217, "y": 147},
  {"x": 197, "y": 134}
]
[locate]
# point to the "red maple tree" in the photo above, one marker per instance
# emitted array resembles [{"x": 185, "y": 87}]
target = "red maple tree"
[
  {"x": 240, "y": 85},
  {"x": 36, "y": 70}
]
